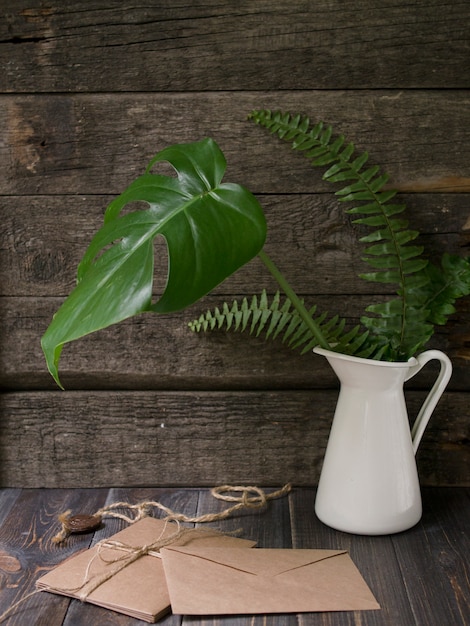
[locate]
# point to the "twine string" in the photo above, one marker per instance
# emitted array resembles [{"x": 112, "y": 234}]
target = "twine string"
[
  {"x": 250, "y": 498},
  {"x": 129, "y": 554}
]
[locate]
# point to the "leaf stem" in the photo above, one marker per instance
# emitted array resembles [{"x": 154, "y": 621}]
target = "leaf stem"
[{"x": 296, "y": 301}]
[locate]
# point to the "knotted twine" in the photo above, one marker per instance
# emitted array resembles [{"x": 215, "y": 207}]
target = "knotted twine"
[
  {"x": 129, "y": 555},
  {"x": 143, "y": 509}
]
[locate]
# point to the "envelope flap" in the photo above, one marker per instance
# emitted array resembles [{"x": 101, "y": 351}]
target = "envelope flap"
[{"x": 260, "y": 561}]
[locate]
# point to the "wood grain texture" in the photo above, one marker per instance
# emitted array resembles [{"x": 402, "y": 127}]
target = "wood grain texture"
[
  {"x": 7, "y": 500},
  {"x": 161, "y": 353},
  {"x": 196, "y": 438},
  {"x": 211, "y": 45},
  {"x": 88, "y": 94},
  {"x": 419, "y": 576},
  {"x": 310, "y": 237},
  {"x": 26, "y": 537},
  {"x": 96, "y": 143},
  {"x": 434, "y": 559}
]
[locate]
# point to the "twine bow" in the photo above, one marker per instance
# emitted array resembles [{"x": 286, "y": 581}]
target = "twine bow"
[{"x": 250, "y": 498}]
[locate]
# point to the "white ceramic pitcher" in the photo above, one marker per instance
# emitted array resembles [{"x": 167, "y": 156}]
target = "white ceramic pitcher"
[{"x": 369, "y": 482}]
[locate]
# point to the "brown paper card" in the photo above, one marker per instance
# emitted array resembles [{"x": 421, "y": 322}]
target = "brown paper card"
[
  {"x": 237, "y": 581},
  {"x": 138, "y": 590}
]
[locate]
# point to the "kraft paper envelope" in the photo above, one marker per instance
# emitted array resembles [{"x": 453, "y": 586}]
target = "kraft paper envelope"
[
  {"x": 139, "y": 589},
  {"x": 228, "y": 581}
]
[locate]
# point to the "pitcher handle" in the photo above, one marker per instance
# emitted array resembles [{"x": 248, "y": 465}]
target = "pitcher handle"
[{"x": 434, "y": 395}]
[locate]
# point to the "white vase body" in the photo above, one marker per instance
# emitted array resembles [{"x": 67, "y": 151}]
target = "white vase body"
[{"x": 369, "y": 480}]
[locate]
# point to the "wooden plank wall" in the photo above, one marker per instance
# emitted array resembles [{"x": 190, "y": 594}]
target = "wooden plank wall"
[{"x": 89, "y": 92}]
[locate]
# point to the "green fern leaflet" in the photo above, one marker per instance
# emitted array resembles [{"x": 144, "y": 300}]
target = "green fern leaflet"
[
  {"x": 280, "y": 320},
  {"x": 425, "y": 293}
]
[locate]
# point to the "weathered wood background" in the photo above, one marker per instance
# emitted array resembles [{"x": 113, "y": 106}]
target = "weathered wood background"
[{"x": 88, "y": 94}]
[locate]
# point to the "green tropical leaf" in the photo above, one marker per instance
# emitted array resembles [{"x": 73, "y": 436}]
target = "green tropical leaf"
[{"x": 211, "y": 229}]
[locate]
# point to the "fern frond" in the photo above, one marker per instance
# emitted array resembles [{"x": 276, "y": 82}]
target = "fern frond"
[
  {"x": 279, "y": 320},
  {"x": 272, "y": 318},
  {"x": 389, "y": 248},
  {"x": 392, "y": 330},
  {"x": 444, "y": 286}
]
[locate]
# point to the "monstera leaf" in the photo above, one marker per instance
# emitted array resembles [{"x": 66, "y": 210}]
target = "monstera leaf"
[{"x": 211, "y": 230}]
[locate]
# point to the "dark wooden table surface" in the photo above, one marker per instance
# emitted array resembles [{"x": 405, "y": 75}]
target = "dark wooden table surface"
[{"x": 419, "y": 577}]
